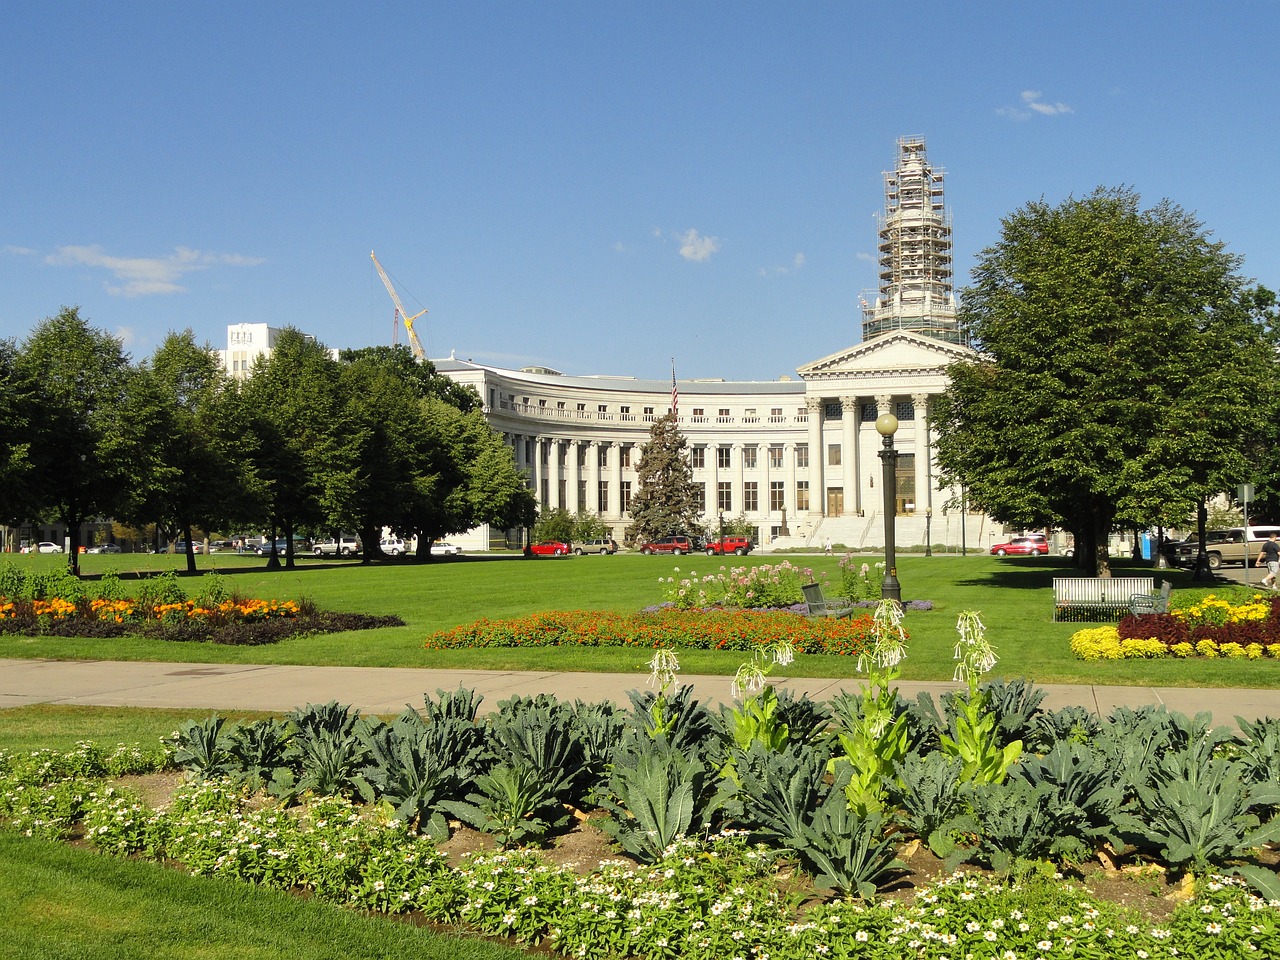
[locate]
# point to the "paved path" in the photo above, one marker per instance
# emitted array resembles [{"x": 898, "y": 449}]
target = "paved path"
[{"x": 279, "y": 688}]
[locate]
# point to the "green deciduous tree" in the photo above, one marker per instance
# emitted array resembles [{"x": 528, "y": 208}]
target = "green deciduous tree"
[
  {"x": 1119, "y": 378},
  {"x": 85, "y": 444},
  {"x": 666, "y": 501}
]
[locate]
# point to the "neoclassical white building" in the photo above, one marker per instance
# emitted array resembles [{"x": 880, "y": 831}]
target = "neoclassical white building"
[{"x": 798, "y": 457}]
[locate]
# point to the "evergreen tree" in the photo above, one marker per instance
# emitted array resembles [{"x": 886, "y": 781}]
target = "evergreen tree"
[{"x": 666, "y": 500}]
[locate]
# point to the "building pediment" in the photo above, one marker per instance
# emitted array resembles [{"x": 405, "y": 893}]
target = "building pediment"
[{"x": 901, "y": 352}]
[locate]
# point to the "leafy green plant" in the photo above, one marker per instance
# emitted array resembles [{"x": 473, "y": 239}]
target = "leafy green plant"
[
  {"x": 933, "y": 800},
  {"x": 201, "y": 747},
  {"x": 1070, "y": 724},
  {"x": 408, "y": 773},
  {"x": 870, "y": 728},
  {"x": 1204, "y": 822},
  {"x": 662, "y": 793},
  {"x": 598, "y": 728},
  {"x": 974, "y": 736},
  {"x": 331, "y": 763},
  {"x": 845, "y": 851},
  {"x": 538, "y": 733},
  {"x": 683, "y": 721},
  {"x": 514, "y": 804},
  {"x": 1085, "y": 798},
  {"x": 260, "y": 752},
  {"x": 780, "y": 791}
]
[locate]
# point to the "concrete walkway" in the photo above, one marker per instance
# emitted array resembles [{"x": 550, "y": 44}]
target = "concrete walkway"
[{"x": 387, "y": 690}]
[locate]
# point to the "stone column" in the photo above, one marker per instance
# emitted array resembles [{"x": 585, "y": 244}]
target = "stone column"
[
  {"x": 537, "y": 470},
  {"x": 615, "y": 480},
  {"x": 789, "y": 491},
  {"x": 574, "y": 475},
  {"x": 817, "y": 458},
  {"x": 849, "y": 459},
  {"x": 924, "y": 454},
  {"x": 740, "y": 487},
  {"x": 553, "y": 474},
  {"x": 593, "y": 477}
]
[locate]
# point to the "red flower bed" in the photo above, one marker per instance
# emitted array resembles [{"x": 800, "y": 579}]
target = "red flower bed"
[{"x": 740, "y": 630}]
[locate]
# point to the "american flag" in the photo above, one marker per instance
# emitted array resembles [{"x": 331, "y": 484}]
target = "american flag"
[{"x": 675, "y": 393}]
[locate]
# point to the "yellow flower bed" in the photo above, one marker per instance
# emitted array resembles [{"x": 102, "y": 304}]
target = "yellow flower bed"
[{"x": 1104, "y": 643}]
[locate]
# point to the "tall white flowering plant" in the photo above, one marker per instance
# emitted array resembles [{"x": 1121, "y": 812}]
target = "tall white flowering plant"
[{"x": 974, "y": 730}]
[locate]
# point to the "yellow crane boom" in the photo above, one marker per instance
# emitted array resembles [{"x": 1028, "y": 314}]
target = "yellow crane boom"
[{"x": 414, "y": 343}]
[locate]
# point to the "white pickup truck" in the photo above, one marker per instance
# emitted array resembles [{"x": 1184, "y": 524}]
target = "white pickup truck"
[{"x": 344, "y": 546}]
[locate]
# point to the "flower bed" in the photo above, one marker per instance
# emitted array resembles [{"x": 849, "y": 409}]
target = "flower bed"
[
  {"x": 1211, "y": 626},
  {"x": 740, "y": 630}
]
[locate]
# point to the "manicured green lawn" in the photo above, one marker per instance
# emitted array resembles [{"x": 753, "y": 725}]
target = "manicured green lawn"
[
  {"x": 1014, "y": 597},
  {"x": 58, "y": 902}
]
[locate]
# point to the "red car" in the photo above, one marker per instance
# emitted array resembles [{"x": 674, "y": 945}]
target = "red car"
[
  {"x": 739, "y": 546},
  {"x": 550, "y": 548},
  {"x": 1021, "y": 547}
]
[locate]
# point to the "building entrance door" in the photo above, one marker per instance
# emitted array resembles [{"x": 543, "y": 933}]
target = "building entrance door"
[{"x": 835, "y": 501}]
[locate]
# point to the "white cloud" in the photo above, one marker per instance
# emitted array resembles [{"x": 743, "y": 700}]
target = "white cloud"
[
  {"x": 797, "y": 263},
  {"x": 1033, "y": 103},
  {"x": 18, "y": 251},
  {"x": 865, "y": 257},
  {"x": 147, "y": 276},
  {"x": 696, "y": 248}
]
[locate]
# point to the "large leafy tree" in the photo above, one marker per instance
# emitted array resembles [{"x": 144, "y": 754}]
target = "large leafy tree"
[
  {"x": 296, "y": 418},
  {"x": 195, "y": 475},
  {"x": 86, "y": 443},
  {"x": 468, "y": 476},
  {"x": 1121, "y": 370},
  {"x": 17, "y": 401},
  {"x": 666, "y": 499}
]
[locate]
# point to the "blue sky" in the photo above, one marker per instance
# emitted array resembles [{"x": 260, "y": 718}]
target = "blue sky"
[{"x": 598, "y": 187}]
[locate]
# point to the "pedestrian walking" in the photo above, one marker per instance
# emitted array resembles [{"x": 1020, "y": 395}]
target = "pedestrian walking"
[
  {"x": 826, "y": 546},
  {"x": 1270, "y": 555}
]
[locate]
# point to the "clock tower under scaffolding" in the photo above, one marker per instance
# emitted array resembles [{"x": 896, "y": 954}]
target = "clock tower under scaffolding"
[{"x": 915, "y": 290}]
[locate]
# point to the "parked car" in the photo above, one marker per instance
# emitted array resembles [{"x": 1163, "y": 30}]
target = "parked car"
[
  {"x": 105, "y": 548},
  {"x": 300, "y": 546},
  {"x": 339, "y": 546},
  {"x": 1021, "y": 547},
  {"x": 443, "y": 549},
  {"x": 604, "y": 547},
  {"x": 1233, "y": 545},
  {"x": 549, "y": 548},
  {"x": 674, "y": 545},
  {"x": 44, "y": 546},
  {"x": 738, "y": 546},
  {"x": 391, "y": 546}
]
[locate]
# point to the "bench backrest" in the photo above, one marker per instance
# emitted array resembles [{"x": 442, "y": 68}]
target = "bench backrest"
[
  {"x": 1100, "y": 590},
  {"x": 813, "y": 597}
]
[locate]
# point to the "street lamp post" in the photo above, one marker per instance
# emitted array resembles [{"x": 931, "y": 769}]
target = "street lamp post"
[
  {"x": 928, "y": 538},
  {"x": 721, "y": 529},
  {"x": 887, "y": 426}
]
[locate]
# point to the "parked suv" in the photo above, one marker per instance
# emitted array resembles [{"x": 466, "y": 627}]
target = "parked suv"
[
  {"x": 676, "y": 545},
  {"x": 344, "y": 546},
  {"x": 605, "y": 546},
  {"x": 738, "y": 546},
  {"x": 1233, "y": 545}
]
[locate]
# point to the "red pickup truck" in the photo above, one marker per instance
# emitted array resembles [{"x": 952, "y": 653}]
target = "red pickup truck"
[{"x": 738, "y": 546}]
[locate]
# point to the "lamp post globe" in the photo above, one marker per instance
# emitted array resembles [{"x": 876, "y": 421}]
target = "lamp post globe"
[{"x": 887, "y": 426}]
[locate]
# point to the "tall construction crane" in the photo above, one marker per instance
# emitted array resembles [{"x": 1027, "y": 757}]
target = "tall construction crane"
[{"x": 414, "y": 343}]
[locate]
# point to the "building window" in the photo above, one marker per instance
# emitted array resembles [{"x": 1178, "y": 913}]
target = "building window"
[
  {"x": 626, "y": 495},
  {"x": 699, "y": 412},
  {"x": 724, "y": 412},
  {"x": 775, "y": 456},
  {"x": 775, "y": 414},
  {"x": 722, "y": 458},
  {"x": 777, "y": 496},
  {"x": 724, "y": 496},
  {"x": 603, "y": 493},
  {"x": 625, "y": 409},
  {"x": 833, "y": 454},
  {"x": 702, "y": 496},
  {"x": 698, "y": 457},
  {"x": 648, "y": 411},
  {"x": 749, "y": 458},
  {"x": 582, "y": 408},
  {"x": 833, "y": 411},
  {"x": 582, "y": 496},
  {"x": 602, "y": 408},
  {"x": 750, "y": 496},
  {"x": 602, "y": 455},
  {"x": 528, "y": 451},
  {"x": 869, "y": 413},
  {"x": 802, "y": 495},
  {"x": 905, "y": 410},
  {"x": 626, "y": 455},
  {"x": 802, "y": 455}
]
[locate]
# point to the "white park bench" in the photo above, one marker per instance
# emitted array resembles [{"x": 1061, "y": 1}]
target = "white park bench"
[{"x": 1096, "y": 598}]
